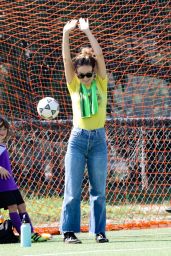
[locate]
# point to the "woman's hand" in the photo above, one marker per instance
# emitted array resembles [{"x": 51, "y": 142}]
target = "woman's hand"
[
  {"x": 4, "y": 174},
  {"x": 83, "y": 25},
  {"x": 70, "y": 25}
]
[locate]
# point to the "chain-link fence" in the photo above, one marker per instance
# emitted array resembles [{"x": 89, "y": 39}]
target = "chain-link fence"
[{"x": 139, "y": 167}]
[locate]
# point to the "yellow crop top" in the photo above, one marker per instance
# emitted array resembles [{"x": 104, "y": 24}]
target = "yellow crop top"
[{"x": 96, "y": 121}]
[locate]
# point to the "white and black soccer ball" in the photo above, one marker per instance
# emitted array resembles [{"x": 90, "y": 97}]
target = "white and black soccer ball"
[{"x": 48, "y": 108}]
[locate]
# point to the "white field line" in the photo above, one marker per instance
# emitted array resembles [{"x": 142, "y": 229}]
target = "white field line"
[{"x": 101, "y": 251}]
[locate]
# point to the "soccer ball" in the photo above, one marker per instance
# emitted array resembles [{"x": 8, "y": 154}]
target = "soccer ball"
[{"x": 48, "y": 108}]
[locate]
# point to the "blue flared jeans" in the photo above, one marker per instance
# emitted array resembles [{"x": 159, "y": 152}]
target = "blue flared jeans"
[{"x": 85, "y": 148}]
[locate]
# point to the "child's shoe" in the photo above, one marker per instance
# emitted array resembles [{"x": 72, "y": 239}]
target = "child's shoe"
[{"x": 35, "y": 237}]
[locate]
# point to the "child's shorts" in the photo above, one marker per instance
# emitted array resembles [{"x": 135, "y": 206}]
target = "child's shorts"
[{"x": 9, "y": 198}]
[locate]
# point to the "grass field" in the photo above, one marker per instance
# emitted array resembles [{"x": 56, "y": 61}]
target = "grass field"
[
  {"x": 47, "y": 210},
  {"x": 147, "y": 242}
]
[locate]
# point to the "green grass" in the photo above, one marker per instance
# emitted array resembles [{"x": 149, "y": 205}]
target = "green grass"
[
  {"x": 47, "y": 210},
  {"x": 148, "y": 242}
]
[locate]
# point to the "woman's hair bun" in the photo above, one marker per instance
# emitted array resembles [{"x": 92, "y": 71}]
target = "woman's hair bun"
[
  {"x": 87, "y": 51},
  {"x": 85, "y": 57}
]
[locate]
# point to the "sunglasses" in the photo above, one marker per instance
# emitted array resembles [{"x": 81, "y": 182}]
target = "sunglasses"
[{"x": 81, "y": 75}]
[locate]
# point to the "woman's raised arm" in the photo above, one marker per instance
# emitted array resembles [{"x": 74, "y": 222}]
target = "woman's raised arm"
[
  {"x": 68, "y": 65},
  {"x": 101, "y": 67}
]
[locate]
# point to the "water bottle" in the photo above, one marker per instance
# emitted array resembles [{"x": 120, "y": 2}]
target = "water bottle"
[{"x": 25, "y": 233}]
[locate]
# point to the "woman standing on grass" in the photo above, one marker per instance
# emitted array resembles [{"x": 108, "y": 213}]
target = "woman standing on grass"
[{"x": 87, "y": 84}]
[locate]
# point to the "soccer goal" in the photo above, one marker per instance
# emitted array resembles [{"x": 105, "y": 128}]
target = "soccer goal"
[{"x": 134, "y": 36}]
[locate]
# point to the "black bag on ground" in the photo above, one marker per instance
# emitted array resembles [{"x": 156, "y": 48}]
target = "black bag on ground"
[{"x": 7, "y": 235}]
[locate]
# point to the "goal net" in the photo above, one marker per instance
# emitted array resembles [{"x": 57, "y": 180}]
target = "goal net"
[{"x": 134, "y": 36}]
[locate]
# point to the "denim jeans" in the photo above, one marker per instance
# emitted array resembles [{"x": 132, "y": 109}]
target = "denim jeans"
[{"x": 85, "y": 148}]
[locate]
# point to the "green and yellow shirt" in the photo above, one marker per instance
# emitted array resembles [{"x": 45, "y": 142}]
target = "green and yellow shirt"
[{"x": 96, "y": 121}]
